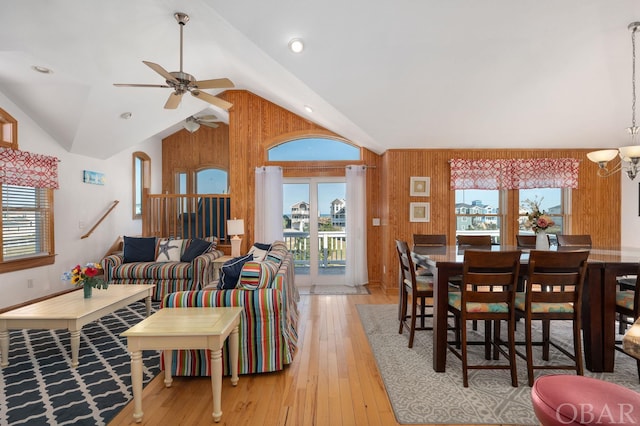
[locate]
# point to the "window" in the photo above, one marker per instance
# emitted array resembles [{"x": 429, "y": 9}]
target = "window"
[
  {"x": 27, "y": 227},
  {"x": 550, "y": 201},
  {"x": 141, "y": 180},
  {"x": 211, "y": 181},
  {"x": 314, "y": 149},
  {"x": 477, "y": 212}
]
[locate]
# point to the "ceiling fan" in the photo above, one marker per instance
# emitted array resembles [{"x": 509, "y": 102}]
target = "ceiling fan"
[
  {"x": 181, "y": 82},
  {"x": 193, "y": 123}
]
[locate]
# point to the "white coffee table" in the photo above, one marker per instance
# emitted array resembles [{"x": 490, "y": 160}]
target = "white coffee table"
[
  {"x": 70, "y": 311},
  {"x": 185, "y": 328}
]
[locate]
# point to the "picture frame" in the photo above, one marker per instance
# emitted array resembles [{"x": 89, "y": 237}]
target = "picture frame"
[
  {"x": 420, "y": 186},
  {"x": 419, "y": 212},
  {"x": 94, "y": 178}
]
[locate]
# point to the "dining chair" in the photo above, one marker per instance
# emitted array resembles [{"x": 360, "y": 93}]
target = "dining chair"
[
  {"x": 473, "y": 241},
  {"x": 416, "y": 287},
  {"x": 627, "y": 308},
  {"x": 528, "y": 241},
  {"x": 574, "y": 242},
  {"x": 487, "y": 293},
  {"x": 553, "y": 292},
  {"x": 424, "y": 245},
  {"x": 480, "y": 242}
]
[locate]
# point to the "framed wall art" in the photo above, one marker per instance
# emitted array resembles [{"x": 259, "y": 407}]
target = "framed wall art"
[
  {"x": 420, "y": 186},
  {"x": 419, "y": 212},
  {"x": 95, "y": 178}
]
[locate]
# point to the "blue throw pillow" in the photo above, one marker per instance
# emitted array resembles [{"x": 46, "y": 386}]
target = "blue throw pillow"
[
  {"x": 262, "y": 246},
  {"x": 230, "y": 271},
  {"x": 196, "y": 248},
  {"x": 138, "y": 249}
]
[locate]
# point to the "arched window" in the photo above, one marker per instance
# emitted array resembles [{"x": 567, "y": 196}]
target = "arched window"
[
  {"x": 314, "y": 149},
  {"x": 211, "y": 181},
  {"x": 141, "y": 180}
]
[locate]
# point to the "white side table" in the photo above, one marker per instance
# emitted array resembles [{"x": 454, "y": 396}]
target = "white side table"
[{"x": 185, "y": 328}]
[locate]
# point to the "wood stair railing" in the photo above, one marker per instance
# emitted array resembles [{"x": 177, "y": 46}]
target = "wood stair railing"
[{"x": 115, "y": 203}]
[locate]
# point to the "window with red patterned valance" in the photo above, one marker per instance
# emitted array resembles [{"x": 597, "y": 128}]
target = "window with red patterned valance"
[
  {"x": 23, "y": 168},
  {"x": 514, "y": 173}
]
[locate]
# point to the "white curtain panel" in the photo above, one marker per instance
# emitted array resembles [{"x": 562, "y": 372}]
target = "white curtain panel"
[
  {"x": 356, "y": 269},
  {"x": 268, "y": 208}
]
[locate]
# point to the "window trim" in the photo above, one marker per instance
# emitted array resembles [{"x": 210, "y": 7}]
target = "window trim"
[{"x": 145, "y": 181}]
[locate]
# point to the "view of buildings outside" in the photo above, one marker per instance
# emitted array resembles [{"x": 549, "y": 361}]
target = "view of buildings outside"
[{"x": 478, "y": 211}]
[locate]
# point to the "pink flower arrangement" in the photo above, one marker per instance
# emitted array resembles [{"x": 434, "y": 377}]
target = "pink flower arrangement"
[{"x": 537, "y": 220}]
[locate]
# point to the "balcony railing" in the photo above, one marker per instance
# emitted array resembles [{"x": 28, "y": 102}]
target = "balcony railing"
[{"x": 332, "y": 249}]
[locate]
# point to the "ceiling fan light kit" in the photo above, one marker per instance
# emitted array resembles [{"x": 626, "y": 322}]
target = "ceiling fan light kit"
[
  {"x": 182, "y": 82},
  {"x": 629, "y": 155}
]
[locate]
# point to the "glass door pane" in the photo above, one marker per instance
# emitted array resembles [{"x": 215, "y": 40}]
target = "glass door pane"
[
  {"x": 296, "y": 227},
  {"x": 319, "y": 244},
  {"x": 332, "y": 239}
]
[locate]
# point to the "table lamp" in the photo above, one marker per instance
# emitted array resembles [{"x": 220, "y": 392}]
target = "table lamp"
[{"x": 235, "y": 227}]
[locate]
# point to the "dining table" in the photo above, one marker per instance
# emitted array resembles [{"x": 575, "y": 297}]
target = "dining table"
[{"x": 598, "y": 299}]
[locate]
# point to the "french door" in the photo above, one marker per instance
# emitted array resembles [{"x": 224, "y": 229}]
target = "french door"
[{"x": 314, "y": 228}]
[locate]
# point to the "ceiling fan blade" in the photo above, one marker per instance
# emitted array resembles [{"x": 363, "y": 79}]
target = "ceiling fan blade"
[
  {"x": 212, "y": 99},
  {"x": 216, "y": 83},
  {"x": 207, "y": 118},
  {"x": 140, "y": 85},
  {"x": 204, "y": 123},
  {"x": 173, "y": 101},
  {"x": 166, "y": 74}
]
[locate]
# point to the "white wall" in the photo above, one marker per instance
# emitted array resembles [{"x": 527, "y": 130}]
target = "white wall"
[
  {"x": 630, "y": 212},
  {"x": 77, "y": 202}
]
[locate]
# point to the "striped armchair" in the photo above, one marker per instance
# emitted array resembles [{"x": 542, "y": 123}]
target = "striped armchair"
[{"x": 268, "y": 325}]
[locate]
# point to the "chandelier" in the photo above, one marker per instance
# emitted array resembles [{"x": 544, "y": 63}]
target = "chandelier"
[{"x": 629, "y": 155}]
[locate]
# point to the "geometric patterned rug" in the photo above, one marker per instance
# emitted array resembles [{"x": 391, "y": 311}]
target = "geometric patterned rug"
[
  {"x": 420, "y": 395},
  {"x": 39, "y": 387}
]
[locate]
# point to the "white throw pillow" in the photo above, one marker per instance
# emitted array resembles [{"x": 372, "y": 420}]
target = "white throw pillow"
[
  {"x": 258, "y": 254},
  {"x": 169, "y": 250}
]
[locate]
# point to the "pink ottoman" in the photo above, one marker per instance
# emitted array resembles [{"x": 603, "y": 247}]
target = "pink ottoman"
[{"x": 560, "y": 400}]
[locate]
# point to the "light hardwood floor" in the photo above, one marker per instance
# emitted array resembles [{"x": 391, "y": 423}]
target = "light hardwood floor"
[{"x": 332, "y": 381}]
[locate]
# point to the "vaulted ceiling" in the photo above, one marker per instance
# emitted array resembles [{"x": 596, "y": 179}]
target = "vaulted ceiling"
[{"x": 383, "y": 73}]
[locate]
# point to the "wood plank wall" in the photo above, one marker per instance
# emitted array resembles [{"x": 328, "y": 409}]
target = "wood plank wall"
[
  {"x": 256, "y": 124},
  {"x": 186, "y": 152},
  {"x": 595, "y": 204}
]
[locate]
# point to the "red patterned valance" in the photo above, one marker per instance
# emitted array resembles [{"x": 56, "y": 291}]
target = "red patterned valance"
[
  {"x": 479, "y": 174},
  {"x": 514, "y": 174},
  {"x": 26, "y": 169},
  {"x": 545, "y": 173}
]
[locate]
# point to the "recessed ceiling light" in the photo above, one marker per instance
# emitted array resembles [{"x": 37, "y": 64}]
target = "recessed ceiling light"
[
  {"x": 308, "y": 108},
  {"x": 296, "y": 45},
  {"x": 43, "y": 70},
  {"x": 126, "y": 115}
]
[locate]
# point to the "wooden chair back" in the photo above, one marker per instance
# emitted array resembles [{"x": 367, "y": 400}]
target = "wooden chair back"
[
  {"x": 429, "y": 243},
  {"x": 574, "y": 241},
  {"x": 490, "y": 277},
  {"x": 407, "y": 267},
  {"x": 556, "y": 277},
  {"x": 528, "y": 241},
  {"x": 474, "y": 241}
]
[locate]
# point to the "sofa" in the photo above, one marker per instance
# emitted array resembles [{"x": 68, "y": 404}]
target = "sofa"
[
  {"x": 268, "y": 324},
  {"x": 171, "y": 264}
]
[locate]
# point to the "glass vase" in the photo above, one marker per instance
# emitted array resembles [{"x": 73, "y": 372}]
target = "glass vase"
[
  {"x": 542, "y": 242},
  {"x": 87, "y": 291}
]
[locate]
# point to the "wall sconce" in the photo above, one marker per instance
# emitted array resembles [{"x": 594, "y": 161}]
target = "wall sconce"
[{"x": 235, "y": 227}]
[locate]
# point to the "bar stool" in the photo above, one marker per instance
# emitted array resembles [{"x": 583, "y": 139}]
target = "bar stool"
[{"x": 561, "y": 400}]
